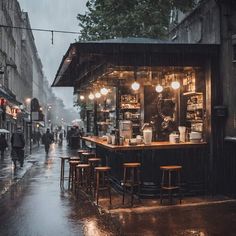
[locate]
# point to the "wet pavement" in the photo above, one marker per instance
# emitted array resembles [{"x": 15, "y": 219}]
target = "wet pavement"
[{"x": 35, "y": 205}]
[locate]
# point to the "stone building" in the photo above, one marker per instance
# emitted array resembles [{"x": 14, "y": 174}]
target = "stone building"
[
  {"x": 21, "y": 71},
  {"x": 12, "y": 85}
]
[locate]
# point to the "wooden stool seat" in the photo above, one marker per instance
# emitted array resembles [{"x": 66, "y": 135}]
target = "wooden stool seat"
[
  {"x": 74, "y": 158},
  {"x": 171, "y": 168},
  {"x": 167, "y": 182},
  {"x": 131, "y": 179},
  {"x": 86, "y": 155},
  {"x": 83, "y": 166},
  {"x": 102, "y": 181},
  {"x": 79, "y": 152},
  {"x": 132, "y": 165},
  {"x": 102, "y": 168},
  {"x": 62, "y": 174}
]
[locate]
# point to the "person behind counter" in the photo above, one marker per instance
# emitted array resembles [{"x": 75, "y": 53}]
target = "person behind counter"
[{"x": 165, "y": 123}]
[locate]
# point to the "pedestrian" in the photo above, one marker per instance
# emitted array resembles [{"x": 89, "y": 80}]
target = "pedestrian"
[
  {"x": 60, "y": 138},
  {"x": 18, "y": 144},
  {"x": 47, "y": 140},
  {"x": 3, "y": 145},
  {"x": 38, "y": 137}
]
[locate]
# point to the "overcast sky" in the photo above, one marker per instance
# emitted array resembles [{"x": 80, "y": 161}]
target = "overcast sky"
[{"x": 54, "y": 15}]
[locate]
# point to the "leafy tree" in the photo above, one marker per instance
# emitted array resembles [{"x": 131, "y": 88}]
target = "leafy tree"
[{"x": 128, "y": 18}]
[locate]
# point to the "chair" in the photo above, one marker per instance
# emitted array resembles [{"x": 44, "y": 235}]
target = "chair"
[
  {"x": 72, "y": 173},
  {"x": 83, "y": 176},
  {"x": 93, "y": 162},
  {"x": 131, "y": 179},
  {"x": 102, "y": 181},
  {"x": 170, "y": 181},
  {"x": 86, "y": 155}
]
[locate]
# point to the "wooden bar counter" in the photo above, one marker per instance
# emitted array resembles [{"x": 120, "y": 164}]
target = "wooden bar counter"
[{"x": 193, "y": 157}]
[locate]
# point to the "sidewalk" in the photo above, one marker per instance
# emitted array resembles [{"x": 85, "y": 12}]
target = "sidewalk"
[{"x": 9, "y": 176}]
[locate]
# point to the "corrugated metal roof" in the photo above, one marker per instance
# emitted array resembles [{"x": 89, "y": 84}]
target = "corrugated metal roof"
[{"x": 132, "y": 40}]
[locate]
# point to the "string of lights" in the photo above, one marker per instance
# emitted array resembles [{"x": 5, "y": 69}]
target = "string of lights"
[{"x": 42, "y": 30}]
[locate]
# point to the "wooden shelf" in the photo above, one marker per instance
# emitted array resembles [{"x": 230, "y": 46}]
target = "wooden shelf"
[
  {"x": 192, "y": 93},
  {"x": 130, "y": 108},
  {"x": 106, "y": 111},
  {"x": 104, "y": 123},
  {"x": 194, "y": 109},
  {"x": 195, "y": 121}
]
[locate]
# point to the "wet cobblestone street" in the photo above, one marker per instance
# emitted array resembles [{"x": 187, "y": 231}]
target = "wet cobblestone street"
[{"x": 37, "y": 206}]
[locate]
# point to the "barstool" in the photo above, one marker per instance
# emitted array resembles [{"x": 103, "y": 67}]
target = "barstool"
[
  {"x": 102, "y": 181},
  {"x": 168, "y": 183},
  {"x": 62, "y": 174},
  {"x": 93, "y": 162},
  {"x": 131, "y": 179},
  {"x": 86, "y": 155},
  {"x": 83, "y": 176},
  {"x": 80, "y": 151},
  {"x": 72, "y": 173},
  {"x": 74, "y": 158}
]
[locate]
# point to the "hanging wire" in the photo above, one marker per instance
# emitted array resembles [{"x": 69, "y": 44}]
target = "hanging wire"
[{"x": 42, "y": 30}]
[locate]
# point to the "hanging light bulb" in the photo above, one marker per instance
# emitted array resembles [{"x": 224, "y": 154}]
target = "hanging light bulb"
[
  {"x": 97, "y": 95},
  {"x": 91, "y": 96},
  {"x": 175, "y": 84},
  {"x": 135, "y": 85},
  {"x": 81, "y": 97},
  {"x": 104, "y": 91},
  {"x": 159, "y": 88}
]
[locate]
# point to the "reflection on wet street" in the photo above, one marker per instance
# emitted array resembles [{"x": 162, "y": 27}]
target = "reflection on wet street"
[{"x": 37, "y": 206}]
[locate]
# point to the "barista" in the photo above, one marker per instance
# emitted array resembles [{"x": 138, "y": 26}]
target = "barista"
[{"x": 165, "y": 122}]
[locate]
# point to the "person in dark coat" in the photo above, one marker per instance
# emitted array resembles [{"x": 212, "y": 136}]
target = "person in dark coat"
[
  {"x": 3, "y": 145},
  {"x": 18, "y": 144},
  {"x": 47, "y": 140}
]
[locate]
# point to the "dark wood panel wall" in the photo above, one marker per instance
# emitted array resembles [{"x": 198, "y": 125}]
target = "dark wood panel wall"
[{"x": 195, "y": 163}]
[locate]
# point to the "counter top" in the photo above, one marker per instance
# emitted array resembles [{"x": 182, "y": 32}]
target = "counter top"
[{"x": 154, "y": 145}]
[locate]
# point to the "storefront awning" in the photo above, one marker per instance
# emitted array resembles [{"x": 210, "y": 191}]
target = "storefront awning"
[
  {"x": 84, "y": 60},
  {"x": 9, "y": 96}
]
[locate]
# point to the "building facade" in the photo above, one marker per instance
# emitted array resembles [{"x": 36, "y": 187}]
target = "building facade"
[{"x": 21, "y": 70}]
